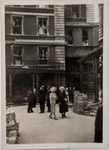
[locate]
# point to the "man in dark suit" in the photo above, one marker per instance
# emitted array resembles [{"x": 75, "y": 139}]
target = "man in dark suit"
[
  {"x": 42, "y": 95},
  {"x": 34, "y": 97},
  {"x": 30, "y": 102}
]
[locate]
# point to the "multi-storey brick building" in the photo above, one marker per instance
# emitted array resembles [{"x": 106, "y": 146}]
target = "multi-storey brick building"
[{"x": 44, "y": 43}]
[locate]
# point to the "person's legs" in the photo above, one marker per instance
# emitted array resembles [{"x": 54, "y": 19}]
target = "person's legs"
[
  {"x": 43, "y": 107},
  {"x": 40, "y": 106},
  {"x": 54, "y": 112},
  {"x": 31, "y": 108},
  {"x": 28, "y": 110},
  {"x": 51, "y": 111},
  {"x": 48, "y": 106},
  {"x": 62, "y": 115},
  {"x": 65, "y": 116}
]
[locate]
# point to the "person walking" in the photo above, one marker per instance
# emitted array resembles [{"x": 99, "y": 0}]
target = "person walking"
[
  {"x": 48, "y": 98},
  {"x": 34, "y": 98},
  {"x": 30, "y": 102},
  {"x": 63, "y": 107},
  {"x": 67, "y": 94},
  {"x": 53, "y": 98},
  {"x": 42, "y": 95}
]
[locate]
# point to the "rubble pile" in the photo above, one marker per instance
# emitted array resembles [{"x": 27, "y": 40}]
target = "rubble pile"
[
  {"x": 92, "y": 108},
  {"x": 80, "y": 103},
  {"x": 12, "y": 128}
]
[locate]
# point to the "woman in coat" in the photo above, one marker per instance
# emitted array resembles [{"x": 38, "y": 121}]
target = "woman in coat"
[
  {"x": 53, "y": 98},
  {"x": 63, "y": 102}
]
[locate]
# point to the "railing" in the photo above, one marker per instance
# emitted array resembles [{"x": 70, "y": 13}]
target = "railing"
[{"x": 26, "y": 64}]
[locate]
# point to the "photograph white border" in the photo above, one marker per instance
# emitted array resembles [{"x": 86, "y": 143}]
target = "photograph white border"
[{"x": 105, "y": 78}]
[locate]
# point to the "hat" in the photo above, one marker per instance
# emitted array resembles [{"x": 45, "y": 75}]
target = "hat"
[
  {"x": 53, "y": 89},
  {"x": 61, "y": 88}
]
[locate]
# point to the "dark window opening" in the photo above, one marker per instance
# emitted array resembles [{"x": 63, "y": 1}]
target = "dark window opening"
[
  {"x": 17, "y": 55},
  {"x": 75, "y": 11},
  {"x": 70, "y": 37},
  {"x": 42, "y": 24},
  {"x": 43, "y": 55},
  {"x": 17, "y": 25},
  {"x": 84, "y": 38}
]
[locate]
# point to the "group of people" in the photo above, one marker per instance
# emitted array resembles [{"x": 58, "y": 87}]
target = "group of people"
[
  {"x": 52, "y": 95},
  {"x": 62, "y": 96}
]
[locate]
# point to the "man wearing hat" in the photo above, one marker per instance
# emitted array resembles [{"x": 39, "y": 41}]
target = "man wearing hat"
[{"x": 42, "y": 95}]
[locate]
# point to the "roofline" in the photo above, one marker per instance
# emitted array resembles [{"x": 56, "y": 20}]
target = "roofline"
[{"x": 91, "y": 54}]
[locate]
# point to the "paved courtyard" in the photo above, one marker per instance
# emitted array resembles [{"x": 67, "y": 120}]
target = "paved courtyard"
[{"x": 39, "y": 128}]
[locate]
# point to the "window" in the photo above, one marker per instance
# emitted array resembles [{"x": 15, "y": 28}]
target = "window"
[
  {"x": 75, "y": 11},
  {"x": 84, "y": 37},
  {"x": 70, "y": 37},
  {"x": 17, "y": 55},
  {"x": 42, "y": 26},
  {"x": 43, "y": 55},
  {"x": 16, "y": 25}
]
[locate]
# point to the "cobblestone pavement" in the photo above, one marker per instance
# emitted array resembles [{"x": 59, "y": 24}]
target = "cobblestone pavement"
[{"x": 39, "y": 128}]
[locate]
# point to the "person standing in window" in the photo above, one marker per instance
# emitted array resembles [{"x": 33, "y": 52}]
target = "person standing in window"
[{"x": 42, "y": 28}]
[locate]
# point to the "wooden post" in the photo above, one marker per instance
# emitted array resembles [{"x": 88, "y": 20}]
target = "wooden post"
[
  {"x": 10, "y": 86},
  {"x": 96, "y": 80},
  {"x": 81, "y": 77},
  {"x": 56, "y": 80},
  {"x": 37, "y": 83},
  {"x": 33, "y": 81},
  {"x": 58, "y": 76}
]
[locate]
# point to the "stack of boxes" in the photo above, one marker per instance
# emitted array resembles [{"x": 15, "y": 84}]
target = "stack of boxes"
[{"x": 12, "y": 128}]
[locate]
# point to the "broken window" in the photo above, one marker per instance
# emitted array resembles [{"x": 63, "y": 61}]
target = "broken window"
[
  {"x": 84, "y": 37},
  {"x": 42, "y": 26},
  {"x": 17, "y": 55},
  {"x": 43, "y": 55},
  {"x": 17, "y": 25}
]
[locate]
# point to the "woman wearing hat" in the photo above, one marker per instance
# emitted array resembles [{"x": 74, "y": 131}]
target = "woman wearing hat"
[
  {"x": 63, "y": 102},
  {"x": 53, "y": 98}
]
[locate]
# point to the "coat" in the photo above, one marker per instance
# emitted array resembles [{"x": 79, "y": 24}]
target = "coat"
[
  {"x": 99, "y": 126},
  {"x": 42, "y": 95},
  {"x": 63, "y": 107}
]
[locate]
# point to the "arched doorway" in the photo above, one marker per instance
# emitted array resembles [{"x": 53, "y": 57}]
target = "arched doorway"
[{"x": 76, "y": 83}]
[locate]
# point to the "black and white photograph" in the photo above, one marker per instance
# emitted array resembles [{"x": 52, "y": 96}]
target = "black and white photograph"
[{"x": 54, "y": 75}]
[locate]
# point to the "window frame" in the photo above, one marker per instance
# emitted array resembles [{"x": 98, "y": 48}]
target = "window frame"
[
  {"x": 79, "y": 11},
  {"x": 37, "y": 31},
  {"x": 21, "y": 25},
  {"x": 38, "y": 49},
  {"x": 12, "y": 55},
  {"x": 85, "y": 29}
]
